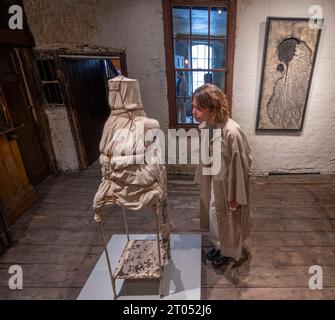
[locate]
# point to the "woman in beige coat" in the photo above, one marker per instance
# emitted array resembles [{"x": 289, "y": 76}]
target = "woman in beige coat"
[{"x": 224, "y": 197}]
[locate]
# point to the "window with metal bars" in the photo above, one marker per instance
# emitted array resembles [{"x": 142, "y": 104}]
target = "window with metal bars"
[
  {"x": 50, "y": 84},
  {"x": 198, "y": 43}
]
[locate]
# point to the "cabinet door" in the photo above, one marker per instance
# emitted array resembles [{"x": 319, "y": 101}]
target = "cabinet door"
[
  {"x": 13, "y": 89},
  {"x": 16, "y": 193}
]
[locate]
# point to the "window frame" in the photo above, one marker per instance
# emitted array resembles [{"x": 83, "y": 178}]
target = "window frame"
[
  {"x": 44, "y": 83},
  {"x": 169, "y": 52},
  {"x": 58, "y": 54}
]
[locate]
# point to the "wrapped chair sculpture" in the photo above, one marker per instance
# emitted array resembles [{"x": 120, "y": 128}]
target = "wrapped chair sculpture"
[{"x": 133, "y": 178}]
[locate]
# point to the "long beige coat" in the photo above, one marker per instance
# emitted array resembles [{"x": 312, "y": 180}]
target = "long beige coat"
[{"x": 231, "y": 183}]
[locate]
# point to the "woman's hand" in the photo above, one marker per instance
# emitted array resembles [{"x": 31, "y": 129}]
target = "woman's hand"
[{"x": 233, "y": 205}]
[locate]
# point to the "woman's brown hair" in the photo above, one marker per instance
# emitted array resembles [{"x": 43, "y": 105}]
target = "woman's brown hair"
[{"x": 211, "y": 97}]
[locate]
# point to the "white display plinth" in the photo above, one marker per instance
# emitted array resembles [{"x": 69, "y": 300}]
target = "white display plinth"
[{"x": 182, "y": 275}]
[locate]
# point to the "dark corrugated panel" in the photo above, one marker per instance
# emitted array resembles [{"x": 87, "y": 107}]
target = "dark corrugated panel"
[{"x": 87, "y": 84}]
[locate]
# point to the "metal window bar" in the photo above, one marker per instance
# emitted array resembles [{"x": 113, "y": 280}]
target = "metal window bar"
[
  {"x": 208, "y": 41},
  {"x": 191, "y": 37},
  {"x": 50, "y": 84}
]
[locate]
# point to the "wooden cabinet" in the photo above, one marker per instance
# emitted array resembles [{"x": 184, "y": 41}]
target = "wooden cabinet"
[{"x": 16, "y": 193}]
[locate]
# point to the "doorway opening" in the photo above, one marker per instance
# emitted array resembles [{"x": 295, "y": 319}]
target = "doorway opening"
[{"x": 78, "y": 85}]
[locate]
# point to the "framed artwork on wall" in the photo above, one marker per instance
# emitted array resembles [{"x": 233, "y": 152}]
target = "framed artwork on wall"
[{"x": 290, "y": 50}]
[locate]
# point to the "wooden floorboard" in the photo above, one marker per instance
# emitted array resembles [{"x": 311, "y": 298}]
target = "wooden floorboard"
[{"x": 293, "y": 228}]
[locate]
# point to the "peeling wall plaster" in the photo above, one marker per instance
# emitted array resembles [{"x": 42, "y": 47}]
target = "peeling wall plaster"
[{"x": 62, "y": 138}]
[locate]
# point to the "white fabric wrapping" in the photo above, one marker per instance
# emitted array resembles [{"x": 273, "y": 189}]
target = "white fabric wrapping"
[{"x": 132, "y": 176}]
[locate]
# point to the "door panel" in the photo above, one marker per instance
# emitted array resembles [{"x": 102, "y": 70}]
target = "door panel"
[
  {"x": 15, "y": 96},
  {"x": 87, "y": 83}
]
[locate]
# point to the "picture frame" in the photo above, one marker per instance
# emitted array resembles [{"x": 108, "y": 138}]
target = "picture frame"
[{"x": 289, "y": 54}]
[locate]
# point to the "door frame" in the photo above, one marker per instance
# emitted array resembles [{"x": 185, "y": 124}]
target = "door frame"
[
  {"x": 58, "y": 55},
  {"x": 28, "y": 72}
]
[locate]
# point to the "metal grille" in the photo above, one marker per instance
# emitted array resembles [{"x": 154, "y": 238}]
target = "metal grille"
[{"x": 50, "y": 84}]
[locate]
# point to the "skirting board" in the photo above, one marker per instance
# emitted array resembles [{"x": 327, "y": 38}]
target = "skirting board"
[{"x": 182, "y": 276}]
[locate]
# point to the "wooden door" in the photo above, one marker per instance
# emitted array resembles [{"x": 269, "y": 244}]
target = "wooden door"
[
  {"x": 15, "y": 94},
  {"x": 87, "y": 83},
  {"x": 16, "y": 193}
]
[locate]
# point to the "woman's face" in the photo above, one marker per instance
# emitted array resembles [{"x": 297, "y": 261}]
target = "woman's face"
[{"x": 199, "y": 113}]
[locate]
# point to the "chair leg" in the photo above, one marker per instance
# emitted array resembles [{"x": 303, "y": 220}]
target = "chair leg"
[
  {"x": 161, "y": 288},
  {"x": 114, "y": 291},
  {"x": 205, "y": 259},
  {"x": 107, "y": 257},
  {"x": 169, "y": 250}
]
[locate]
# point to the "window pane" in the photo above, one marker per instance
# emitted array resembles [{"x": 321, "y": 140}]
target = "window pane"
[
  {"x": 52, "y": 93},
  {"x": 200, "y": 21},
  {"x": 184, "y": 96},
  {"x": 181, "y": 21},
  {"x": 41, "y": 70},
  {"x": 208, "y": 77},
  {"x": 182, "y": 54},
  {"x": 218, "y": 25},
  {"x": 201, "y": 55},
  {"x": 47, "y": 69},
  {"x": 199, "y": 49},
  {"x": 184, "y": 110},
  {"x": 219, "y": 80},
  {"x": 183, "y": 84},
  {"x": 219, "y": 53},
  {"x": 199, "y": 78},
  {"x": 51, "y": 69}
]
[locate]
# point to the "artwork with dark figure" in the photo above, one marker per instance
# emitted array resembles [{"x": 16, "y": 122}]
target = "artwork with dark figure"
[
  {"x": 290, "y": 52},
  {"x": 286, "y": 104}
]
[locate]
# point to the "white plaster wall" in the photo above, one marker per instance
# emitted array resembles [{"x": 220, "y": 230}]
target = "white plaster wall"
[
  {"x": 62, "y": 138},
  {"x": 62, "y": 21},
  {"x": 314, "y": 149},
  {"x": 137, "y": 26},
  {"x": 134, "y": 25}
]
